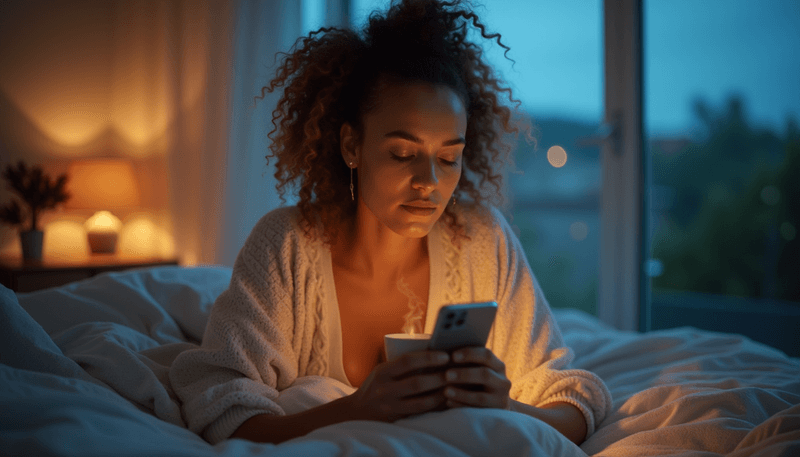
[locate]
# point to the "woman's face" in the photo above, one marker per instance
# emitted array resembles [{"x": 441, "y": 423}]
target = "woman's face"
[{"x": 409, "y": 159}]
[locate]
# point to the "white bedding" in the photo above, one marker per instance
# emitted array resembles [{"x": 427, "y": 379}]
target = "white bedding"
[{"x": 83, "y": 371}]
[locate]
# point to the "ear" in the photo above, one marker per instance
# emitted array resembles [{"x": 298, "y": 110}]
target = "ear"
[{"x": 349, "y": 144}]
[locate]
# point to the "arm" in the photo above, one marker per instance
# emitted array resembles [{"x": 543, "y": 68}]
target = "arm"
[
  {"x": 485, "y": 369},
  {"x": 392, "y": 391},
  {"x": 562, "y": 416},
  {"x": 267, "y": 428},
  {"x": 248, "y": 352},
  {"x": 526, "y": 337}
]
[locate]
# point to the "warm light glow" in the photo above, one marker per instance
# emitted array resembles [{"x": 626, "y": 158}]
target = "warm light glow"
[
  {"x": 65, "y": 240},
  {"x": 56, "y": 75},
  {"x": 557, "y": 156},
  {"x": 103, "y": 222},
  {"x": 101, "y": 75},
  {"x": 71, "y": 124},
  {"x": 143, "y": 75},
  {"x": 141, "y": 237},
  {"x": 102, "y": 184}
]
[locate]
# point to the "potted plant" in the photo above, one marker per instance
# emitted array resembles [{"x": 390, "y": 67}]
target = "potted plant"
[{"x": 37, "y": 192}]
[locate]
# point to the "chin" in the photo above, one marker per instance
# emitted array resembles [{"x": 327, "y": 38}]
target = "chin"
[
  {"x": 415, "y": 229},
  {"x": 417, "y": 232},
  {"x": 407, "y": 225}
]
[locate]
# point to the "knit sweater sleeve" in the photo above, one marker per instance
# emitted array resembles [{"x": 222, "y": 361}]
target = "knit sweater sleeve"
[
  {"x": 247, "y": 355},
  {"x": 528, "y": 340}
]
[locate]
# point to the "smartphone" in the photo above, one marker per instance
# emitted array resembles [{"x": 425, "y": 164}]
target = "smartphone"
[{"x": 463, "y": 325}]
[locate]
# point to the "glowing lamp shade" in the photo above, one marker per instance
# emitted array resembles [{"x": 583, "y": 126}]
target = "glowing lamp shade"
[{"x": 102, "y": 185}]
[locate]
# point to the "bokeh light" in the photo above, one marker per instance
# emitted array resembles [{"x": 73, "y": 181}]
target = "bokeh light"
[
  {"x": 142, "y": 237},
  {"x": 557, "y": 156},
  {"x": 578, "y": 230},
  {"x": 65, "y": 240}
]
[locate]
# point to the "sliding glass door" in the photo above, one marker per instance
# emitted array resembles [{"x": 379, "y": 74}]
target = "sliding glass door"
[{"x": 722, "y": 105}]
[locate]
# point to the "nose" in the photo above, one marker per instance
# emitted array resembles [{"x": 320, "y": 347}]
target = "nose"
[{"x": 425, "y": 178}]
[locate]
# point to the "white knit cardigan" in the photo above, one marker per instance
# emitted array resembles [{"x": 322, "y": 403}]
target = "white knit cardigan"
[{"x": 279, "y": 321}]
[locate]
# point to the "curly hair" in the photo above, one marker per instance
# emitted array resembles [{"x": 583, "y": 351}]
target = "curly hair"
[{"x": 331, "y": 77}]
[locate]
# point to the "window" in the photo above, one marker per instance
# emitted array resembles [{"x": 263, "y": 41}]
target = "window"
[{"x": 724, "y": 150}]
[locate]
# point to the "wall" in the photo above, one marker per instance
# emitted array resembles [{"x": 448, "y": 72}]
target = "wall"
[{"x": 143, "y": 80}]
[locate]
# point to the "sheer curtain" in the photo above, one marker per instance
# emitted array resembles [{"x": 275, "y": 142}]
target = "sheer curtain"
[
  {"x": 167, "y": 85},
  {"x": 197, "y": 160},
  {"x": 262, "y": 30}
]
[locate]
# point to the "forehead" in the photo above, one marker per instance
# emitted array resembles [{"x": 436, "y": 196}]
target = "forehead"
[{"x": 417, "y": 107}]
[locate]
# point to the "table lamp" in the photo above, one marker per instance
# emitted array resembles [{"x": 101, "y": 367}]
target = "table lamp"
[{"x": 102, "y": 185}]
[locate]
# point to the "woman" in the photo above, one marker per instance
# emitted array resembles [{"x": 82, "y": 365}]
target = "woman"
[{"x": 393, "y": 138}]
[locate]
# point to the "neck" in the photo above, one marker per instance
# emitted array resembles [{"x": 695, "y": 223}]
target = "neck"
[{"x": 374, "y": 250}]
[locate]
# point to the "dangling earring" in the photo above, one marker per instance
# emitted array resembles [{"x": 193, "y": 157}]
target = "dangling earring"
[
  {"x": 352, "y": 194},
  {"x": 454, "y": 199}
]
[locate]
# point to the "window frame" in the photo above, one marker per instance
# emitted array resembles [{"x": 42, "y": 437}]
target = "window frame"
[{"x": 623, "y": 289}]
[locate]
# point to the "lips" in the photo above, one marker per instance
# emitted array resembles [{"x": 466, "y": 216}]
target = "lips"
[
  {"x": 420, "y": 207},
  {"x": 421, "y": 204}
]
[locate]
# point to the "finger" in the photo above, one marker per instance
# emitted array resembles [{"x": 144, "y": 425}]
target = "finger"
[
  {"x": 480, "y": 356},
  {"x": 419, "y": 404},
  {"x": 420, "y": 383},
  {"x": 414, "y": 361},
  {"x": 455, "y": 404},
  {"x": 462, "y": 398},
  {"x": 488, "y": 380}
]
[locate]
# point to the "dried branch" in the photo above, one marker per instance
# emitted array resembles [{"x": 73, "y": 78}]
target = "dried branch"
[{"x": 36, "y": 190}]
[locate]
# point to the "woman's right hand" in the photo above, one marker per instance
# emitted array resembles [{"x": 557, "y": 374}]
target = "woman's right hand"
[{"x": 411, "y": 384}]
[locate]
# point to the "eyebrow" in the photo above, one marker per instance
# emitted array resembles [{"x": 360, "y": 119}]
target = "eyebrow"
[{"x": 402, "y": 134}]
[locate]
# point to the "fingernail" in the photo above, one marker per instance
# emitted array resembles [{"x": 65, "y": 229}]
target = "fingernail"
[
  {"x": 443, "y": 358},
  {"x": 449, "y": 392},
  {"x": 458, "y": 357},
  {"x": 451, "y": 375}
]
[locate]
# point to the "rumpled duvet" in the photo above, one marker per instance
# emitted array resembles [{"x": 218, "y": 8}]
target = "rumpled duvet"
[{"x": 83, "y": 371}]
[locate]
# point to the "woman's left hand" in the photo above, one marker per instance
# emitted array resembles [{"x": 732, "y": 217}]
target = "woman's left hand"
[{"x": 477, "y": 379}]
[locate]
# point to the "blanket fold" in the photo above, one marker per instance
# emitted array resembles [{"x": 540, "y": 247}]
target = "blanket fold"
[{"x": 83, "y": 372}]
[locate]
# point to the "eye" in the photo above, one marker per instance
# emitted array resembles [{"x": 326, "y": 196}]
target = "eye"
[
  {"x": 450, "y": 159},
  {"x": 402, "y": 156}
]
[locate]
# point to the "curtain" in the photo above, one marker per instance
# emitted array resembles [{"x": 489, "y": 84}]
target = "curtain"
[
  {"x": 167, "y": 85},
  {"x": 263, "y": 29}
]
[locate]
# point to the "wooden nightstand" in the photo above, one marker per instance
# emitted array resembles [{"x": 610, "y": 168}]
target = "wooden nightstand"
[{"x": 31, "y": 276}]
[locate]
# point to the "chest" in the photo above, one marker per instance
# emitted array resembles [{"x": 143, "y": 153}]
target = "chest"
[{"x": 368, "y": 310}]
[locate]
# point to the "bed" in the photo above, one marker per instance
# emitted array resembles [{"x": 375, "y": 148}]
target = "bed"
[{"x": 83, "y": 371}]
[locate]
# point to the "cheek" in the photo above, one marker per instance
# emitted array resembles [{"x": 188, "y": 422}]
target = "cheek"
[
  {"x": 381, "y": 182},
  {"x": 451, "y": 178}
]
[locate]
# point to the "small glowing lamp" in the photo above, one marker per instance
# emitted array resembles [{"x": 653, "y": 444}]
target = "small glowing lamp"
[{"x": 102, "y": 185}]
